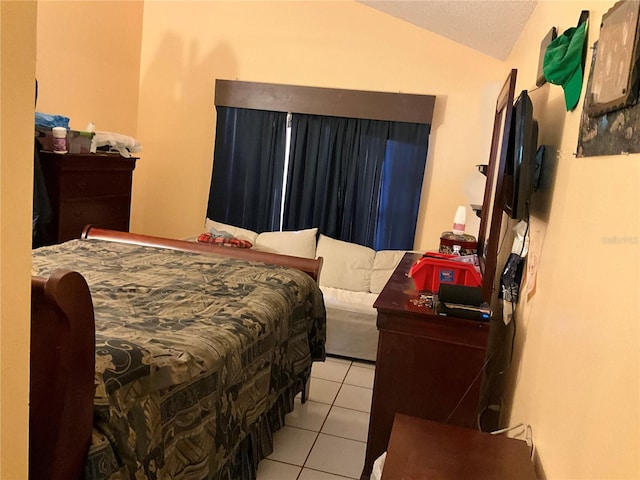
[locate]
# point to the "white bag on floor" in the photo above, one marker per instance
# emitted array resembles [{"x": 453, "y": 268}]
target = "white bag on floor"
[{"x": 378, "y": 465}]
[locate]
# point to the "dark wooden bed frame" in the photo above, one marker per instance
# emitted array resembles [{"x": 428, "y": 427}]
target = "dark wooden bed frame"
[
  {"x": 311, "y": 266},
  {"x": 63, "y": 354},
  {"x": 62, "y": 371}
]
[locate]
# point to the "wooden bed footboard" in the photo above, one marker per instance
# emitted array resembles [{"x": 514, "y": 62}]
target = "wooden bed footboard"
[
  {"x": 311, "y": 266},
  {"x": 62, "y": 376}
]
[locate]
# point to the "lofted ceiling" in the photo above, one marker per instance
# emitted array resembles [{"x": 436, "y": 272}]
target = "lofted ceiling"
[{"x": 489, "y": 26}]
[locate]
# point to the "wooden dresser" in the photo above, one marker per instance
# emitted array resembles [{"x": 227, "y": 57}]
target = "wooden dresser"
[
  {"x": 427, "y": 366},
  {"x": 87, "y": 188},
  {"x": 425, "y": 449}
]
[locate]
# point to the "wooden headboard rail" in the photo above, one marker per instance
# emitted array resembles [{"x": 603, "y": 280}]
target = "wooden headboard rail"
[
  {"x": 310, "y": 266},
  {"x": 62, "y": 376}
]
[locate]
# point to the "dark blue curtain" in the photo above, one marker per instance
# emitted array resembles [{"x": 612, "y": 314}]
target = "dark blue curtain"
[
  {"x": 356, "y": 180},
  {"x": 401, "y": 187},
  {"x": 248, "y": 164},
  {"x": 324, "y": 187}
]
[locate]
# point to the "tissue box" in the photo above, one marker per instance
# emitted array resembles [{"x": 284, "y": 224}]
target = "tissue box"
[{"x": 79, "y": 142}]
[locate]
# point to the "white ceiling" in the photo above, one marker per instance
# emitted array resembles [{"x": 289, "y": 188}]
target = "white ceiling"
[{"x": 489, "y": 26}]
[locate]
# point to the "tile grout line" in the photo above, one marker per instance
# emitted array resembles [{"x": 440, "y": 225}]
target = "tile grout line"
[
  {"x": 342, "y": 383},
  {"x": 331, "y": 406},
  {"x": 323, "y": 422},
  {"x": 329, "y": 473}
]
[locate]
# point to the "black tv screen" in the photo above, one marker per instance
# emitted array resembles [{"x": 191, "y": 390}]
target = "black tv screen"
[{"x": 521, "y": 159}]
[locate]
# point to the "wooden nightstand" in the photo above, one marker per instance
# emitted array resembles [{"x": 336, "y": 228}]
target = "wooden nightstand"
[
  {"x": 87, "y": 188},
  {"x": 421, "y": 449},
  {"x": 427, "y": 365}
]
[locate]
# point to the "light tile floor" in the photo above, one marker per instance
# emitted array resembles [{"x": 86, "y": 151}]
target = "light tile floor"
[{"x": 325, "y": 438}]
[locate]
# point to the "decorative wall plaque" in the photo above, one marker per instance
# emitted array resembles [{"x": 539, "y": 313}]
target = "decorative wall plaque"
[{"x": 615, "y": 72}]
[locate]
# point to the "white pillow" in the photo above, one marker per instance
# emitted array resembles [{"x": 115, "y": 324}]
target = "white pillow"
[
  {"x": 301, "y": 243},
  {"x": 346, "y": 265},
  {"x": 237, "y": 232},
  {"x": 384, "y": 264}
]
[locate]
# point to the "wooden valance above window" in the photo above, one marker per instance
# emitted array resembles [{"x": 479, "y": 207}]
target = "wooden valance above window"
[{"x": 397, "y": 107}]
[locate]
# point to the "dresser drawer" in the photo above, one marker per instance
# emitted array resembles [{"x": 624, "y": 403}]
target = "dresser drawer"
[
  {"x": 110, "y": 212},
  {"x": 94, "y": 184},
  {"x": 87, "y": 188}
]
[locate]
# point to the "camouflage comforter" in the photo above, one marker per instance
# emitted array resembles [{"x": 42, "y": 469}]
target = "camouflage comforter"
[{"x": 198, "y": 357}]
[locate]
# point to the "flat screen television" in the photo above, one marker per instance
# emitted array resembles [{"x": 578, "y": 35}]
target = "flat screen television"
[{"x": 522, "y": 165}]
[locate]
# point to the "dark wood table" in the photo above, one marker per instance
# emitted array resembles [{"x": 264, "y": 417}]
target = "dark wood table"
[
  {"x": 427, "y": 365},
  {"x": 422, "y": 449}
]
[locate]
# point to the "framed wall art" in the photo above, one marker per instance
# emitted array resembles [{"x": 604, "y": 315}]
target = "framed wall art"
[
  {"x": 615, "y": 72},
  {"x": 612, "y": 133},
  {"x": 548, "y": 38}
]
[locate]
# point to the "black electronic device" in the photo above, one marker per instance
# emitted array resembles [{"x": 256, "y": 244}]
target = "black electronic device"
[
  {"x": 460, "y": 294},
  {"x": 520, "y": 171},
  {"x": 462, "y": 302}
]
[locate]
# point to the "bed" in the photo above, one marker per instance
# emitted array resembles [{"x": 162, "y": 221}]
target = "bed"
[{"x": 196, "y": 356}]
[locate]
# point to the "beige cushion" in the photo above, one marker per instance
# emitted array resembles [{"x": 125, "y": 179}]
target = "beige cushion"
[
  {"x": 346, "y": 265},
  {"x": 341, "y": 299},
  {"x": 384, "y": 264},
  {"x": 301, "y": 243},
  {"x": 237, "y": 232}
]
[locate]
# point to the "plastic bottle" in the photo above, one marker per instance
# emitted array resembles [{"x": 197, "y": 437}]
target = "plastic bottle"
[
  {"x": 459, "y": 221},
  {"x": 59, "y": 139}
]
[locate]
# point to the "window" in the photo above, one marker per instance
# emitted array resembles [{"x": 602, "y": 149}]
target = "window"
[{"x": 357, "y": 179}]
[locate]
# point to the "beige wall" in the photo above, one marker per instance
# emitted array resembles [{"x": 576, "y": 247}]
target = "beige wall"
[
  {"x": 88, "y": 62},
  {"x": 575, "y": 377},
  {"x": 576, "y": 373},
  {"x": 17, "y": 72},
  {"x": 187, "y": 45}
]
